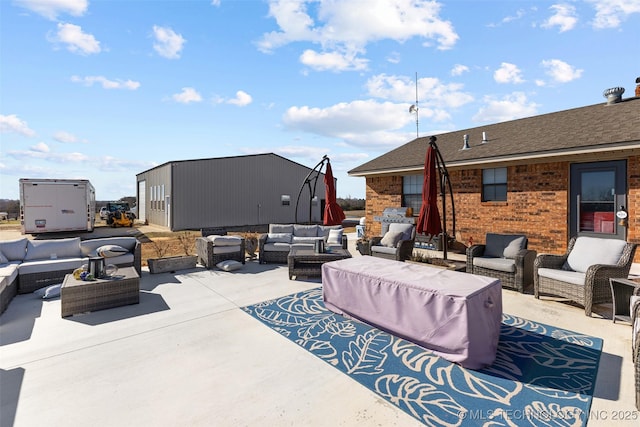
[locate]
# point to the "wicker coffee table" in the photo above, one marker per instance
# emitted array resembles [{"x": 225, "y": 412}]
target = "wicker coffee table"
[
  {"x": 305, "y": 261},
  {"x": 78, "y": 296}
]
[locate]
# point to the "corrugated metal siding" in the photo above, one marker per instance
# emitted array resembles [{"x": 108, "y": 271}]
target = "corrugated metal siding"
[
  {"x": 157, "y": 180},
  {"x": 239, "y": 191}
]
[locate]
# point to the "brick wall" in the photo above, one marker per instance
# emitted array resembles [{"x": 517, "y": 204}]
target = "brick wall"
[{"x": 537, "y": 204}]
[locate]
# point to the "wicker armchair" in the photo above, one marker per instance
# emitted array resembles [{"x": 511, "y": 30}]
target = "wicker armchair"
[
  {"x": 554, "y": 275},
  {"x": 513, "y": 266},
  {"x": 635, "y": 321},
  {"x": 209, "y": 254},
  {"x": 404, "y": 247}
]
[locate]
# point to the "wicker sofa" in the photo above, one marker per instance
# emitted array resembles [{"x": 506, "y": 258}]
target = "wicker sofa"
[
  {"x": 274, "y": 246},
  {"x": 27, "y": 265},
  {"x": 505, "y": 257},
  {"x": 582, "y": 273}
]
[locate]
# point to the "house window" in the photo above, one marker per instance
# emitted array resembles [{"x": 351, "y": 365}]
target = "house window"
[
  {"x": 494, "y": 185},
  {"x": 412, "y": 192}
]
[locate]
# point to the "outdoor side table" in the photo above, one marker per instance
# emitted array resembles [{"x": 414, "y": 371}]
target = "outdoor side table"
[
  {"x": 621, "y": 291},
  {"x": 78, "y": 296},
  {"x": 304, "y": 261}
]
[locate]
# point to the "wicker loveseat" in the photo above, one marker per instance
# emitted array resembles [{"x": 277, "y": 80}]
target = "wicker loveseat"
[
  {"x": 27, "y": 265},
  {"x": 582, "y": 273},
  {"x": 505, "y": 257},
  {"x": 274, "y": 246}
]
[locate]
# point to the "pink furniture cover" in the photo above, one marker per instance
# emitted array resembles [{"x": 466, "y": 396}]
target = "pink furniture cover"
[{"x": 456, "y": 315}]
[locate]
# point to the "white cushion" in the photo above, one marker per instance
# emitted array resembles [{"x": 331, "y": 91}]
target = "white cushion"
[
  {"x": 335, "y": 237},
  {"x": 309, "y": 240},
  {"x": 588, "y": 251},
  {"x": 229, "y": 265},
  {"x": 224, "y": 240},
  {"x": 406, "y": 229},
  {"x": 278, "y": 238},
  {"x": 14, "y": 250},
  {"x": 514, "y": 246},
  {"x": 110, "y": 251},
  {"x": 391, "y": 238},
  {"x": 323, "y": 230},
  {"x": 52, "y": 249}
]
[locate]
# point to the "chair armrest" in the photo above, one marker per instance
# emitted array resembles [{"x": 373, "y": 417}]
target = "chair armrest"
[
  {"x": 475, "y": 250},
  {"x": 345, "y": 241},
  {"x": 404, "y": 249},
  {"x": 375, "y": 241},
  {"x": 549, "y": 261},
  {"x": 137, "y": 257}
]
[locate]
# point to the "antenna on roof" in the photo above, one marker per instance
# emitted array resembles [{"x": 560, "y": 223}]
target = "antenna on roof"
[{"x": 414, "y": 107}]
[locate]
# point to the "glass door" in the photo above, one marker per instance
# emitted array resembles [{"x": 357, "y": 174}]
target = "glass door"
[{"x": 598, "y": 193}]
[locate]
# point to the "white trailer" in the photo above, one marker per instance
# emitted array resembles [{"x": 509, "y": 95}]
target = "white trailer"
[{"x": 53, "y": 205}]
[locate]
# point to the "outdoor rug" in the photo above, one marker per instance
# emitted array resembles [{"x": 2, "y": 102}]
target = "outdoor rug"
[{"x": 542, "y": 375}]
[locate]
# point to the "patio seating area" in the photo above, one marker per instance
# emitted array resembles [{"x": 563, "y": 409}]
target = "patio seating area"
[{"x": 187, "y": 354}]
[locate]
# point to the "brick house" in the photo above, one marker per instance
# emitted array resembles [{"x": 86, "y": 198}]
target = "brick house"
[{"x": 551, "y": 177}]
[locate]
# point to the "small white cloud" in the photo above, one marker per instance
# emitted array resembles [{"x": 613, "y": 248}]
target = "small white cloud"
[
  {"x": 215, "y": 3},
  {"x": 187, "y": 96},
  {"x": 168, "y": 43},
  {"x": 75, "y": 39},
  {"x": 12, "y": 123},
  {"x": 560, "y": 71},
  {"x": 50, "y": 9},
  {"x": 242, "y": 99},
  {"x": 332, "y": 61},
  {"x": 611, "y": 13},
  {"x": 458, "y": 69},
  {"x": 394, "y": 57},
  {"x": 106, "y": 83},
  {"x": 510, "y": 107},
  {"x": 40, "y": 147},
  {"x": 564, "y": 17},
  {"x": 508, "y": 73},
  {"x": 66, "y": 137}
]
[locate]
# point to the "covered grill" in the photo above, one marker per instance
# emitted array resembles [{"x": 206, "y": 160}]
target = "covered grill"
[{"x": 402, "y": 215}]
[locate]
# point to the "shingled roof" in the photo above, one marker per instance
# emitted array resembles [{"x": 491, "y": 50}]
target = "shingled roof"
[{"x": 593, "y": 128}]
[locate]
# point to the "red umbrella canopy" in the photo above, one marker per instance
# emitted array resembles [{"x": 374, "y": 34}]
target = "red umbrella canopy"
[
  {"x": 333, "y": 214},
  {"x": 429, "y": 219}
]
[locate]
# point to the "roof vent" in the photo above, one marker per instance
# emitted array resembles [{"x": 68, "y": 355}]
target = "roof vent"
[
  {"x": 613, "y": 95},
  {"x": 466, "y": 142},
  {"x": 484, "y": 138}
]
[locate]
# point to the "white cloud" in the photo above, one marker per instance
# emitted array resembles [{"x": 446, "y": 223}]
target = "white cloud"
[
  {"x": 106, "y": 83},
  {"x": 560, "y": 71},
  {"x": 611, "y": 13},
  {"x": 458, "y": 69},
  {"x": 65, "y": 137},
  {"x": 343, "y": 29},
  {"x": 510, "y": 107},
  {"x": 168, "y": 43},
  {"x": 50, "y": 9},
  {"x": 39, "y": 153},
  {"x": 242, "y": 99},
  {"x": 564, "y": 17},
  {"x": 40, "y": 147},
  {"x": 334, "y": 61},
  {"x": 215, "y": 2},
  {"x": 75, "y": 39},
  {"x": 187, "y": 96},
  {"x": 12, "y": 123},
  {"x": 508, "y": 73}
]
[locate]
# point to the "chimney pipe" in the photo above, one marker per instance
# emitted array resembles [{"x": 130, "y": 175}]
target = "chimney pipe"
[
  {"x": 466, "y": 142},
  {"x": 484, "y": 137},
  {"x": 613, "y": 95}
]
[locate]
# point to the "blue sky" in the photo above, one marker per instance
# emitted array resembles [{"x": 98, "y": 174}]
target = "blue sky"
[{"x": 103, "y": 90}]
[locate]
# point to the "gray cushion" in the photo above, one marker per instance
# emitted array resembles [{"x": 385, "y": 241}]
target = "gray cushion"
[
  {"x": 500, "y": 264},
  {"x": 504, "y": 245},
  {"x": 574, "y": 277},
  {"x": 90, "y": 246},
  {"x": 54, "y": 248},
  {"x": 305, "y": 230},
  {"x": 218, "y": 240},
  {"x": 588, "y": 251},
  {"x": 281, "y": 228},
  {"x": 14, "y": 250},
  {"x": 323, "y": 230},
  {"x": 406, "y": 229},
  {"x": 279, "y": 238},
  {"x": 391, "y": 238}
]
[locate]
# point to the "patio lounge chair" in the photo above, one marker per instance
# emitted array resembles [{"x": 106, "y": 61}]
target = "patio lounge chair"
[
  {"x": 582, "y": 274},
  {"x": 397, "y": 243},
  {"x": 505, "y": 257}
]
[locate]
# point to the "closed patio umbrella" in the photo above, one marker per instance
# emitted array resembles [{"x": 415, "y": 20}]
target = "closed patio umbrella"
[
  {"x": 429, "y": 218},
  {"x": 333, "y": 214}
]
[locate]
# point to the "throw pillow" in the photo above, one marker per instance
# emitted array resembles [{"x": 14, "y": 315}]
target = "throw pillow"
[
  {"x": 514, "y": 247},
  {"x": 48, "y": 292},
  {"x": 109, "y": 251},
  {"x": 391, "y": 239},
  {"x": 335, "y": 237},
  {"x": 229, "y": 265}
]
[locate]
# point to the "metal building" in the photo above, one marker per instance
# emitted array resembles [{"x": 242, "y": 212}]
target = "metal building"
[{"x": 241, "y": 191}]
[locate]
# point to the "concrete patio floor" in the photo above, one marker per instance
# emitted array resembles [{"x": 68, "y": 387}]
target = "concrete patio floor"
[{"x": 187, "y": 355}]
